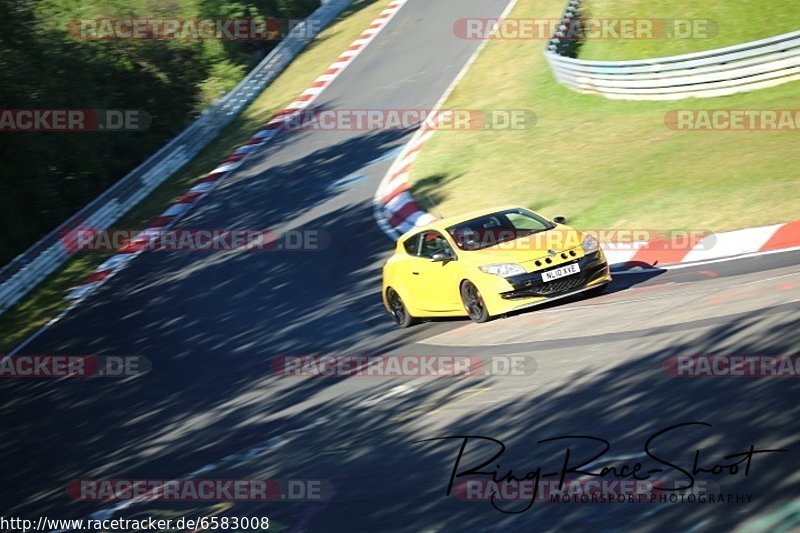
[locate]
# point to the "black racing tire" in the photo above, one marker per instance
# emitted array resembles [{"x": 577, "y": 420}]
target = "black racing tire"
[
  {"x": 473, "y": 303},
  {"x": 398, "y": 309}
]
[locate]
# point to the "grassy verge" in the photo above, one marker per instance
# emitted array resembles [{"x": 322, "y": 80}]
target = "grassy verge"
[
  {"x": 46, "y": 301},
  {"x": 605, "y": 163},
  {"x": 730, "y": 22}
]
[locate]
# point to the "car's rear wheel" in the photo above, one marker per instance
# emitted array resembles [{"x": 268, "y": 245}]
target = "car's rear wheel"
[
  {"x": 473, "y": 302},
  {"x": 398, "y": 309}
]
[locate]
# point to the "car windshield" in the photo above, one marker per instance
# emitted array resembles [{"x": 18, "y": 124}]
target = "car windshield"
[{"x": 489, "y": 230}]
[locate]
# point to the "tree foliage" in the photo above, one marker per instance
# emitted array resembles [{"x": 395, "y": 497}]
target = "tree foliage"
[{"x": 45, "y": 177}]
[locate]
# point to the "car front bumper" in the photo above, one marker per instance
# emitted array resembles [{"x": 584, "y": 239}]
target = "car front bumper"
[{"x": 529, "y": 289}]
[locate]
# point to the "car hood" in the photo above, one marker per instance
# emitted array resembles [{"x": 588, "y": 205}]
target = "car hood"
[{"x": 530, "y": 248}]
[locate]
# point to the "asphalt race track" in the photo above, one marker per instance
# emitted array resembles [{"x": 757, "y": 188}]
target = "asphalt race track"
[{"x": 212, "y": 323}]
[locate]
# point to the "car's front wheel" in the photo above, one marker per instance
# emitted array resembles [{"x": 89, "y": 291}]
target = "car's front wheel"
[
  {"x": 473, "y": 302},
  {"x": 398, "y": 309}
]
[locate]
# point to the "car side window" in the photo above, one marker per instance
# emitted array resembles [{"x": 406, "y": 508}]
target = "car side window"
[
  {"x": 412, "y": 245},
  {"x": 432, "y": 243}
]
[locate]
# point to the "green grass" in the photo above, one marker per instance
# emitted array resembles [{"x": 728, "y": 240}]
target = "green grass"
[
  {"x": 731, "y": 22},
  {"x": 46, "y": 301},
  {"x": 605, "y": 163}
]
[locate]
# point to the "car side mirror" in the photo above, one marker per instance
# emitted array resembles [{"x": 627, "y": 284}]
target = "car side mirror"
[
  {"x": 441, "y": 257},
  {"x": 560, "y": 220}
]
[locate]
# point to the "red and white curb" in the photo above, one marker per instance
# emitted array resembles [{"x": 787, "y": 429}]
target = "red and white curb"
[
  {"x": 197, "y": 193},
  {"x": 707, "y": 249},
  {"x": 397, "y": 212},
  {"x": 394, "y": 208}
]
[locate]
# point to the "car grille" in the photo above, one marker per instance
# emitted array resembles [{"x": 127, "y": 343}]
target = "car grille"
[
  {"x": 562, "y": 285},
  {"x": 531, "y": 285}
]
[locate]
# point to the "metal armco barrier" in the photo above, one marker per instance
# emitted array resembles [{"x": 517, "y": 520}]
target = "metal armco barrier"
[
  {"x": 723, "y": 71},
  {"x": 27, "y": 270}
]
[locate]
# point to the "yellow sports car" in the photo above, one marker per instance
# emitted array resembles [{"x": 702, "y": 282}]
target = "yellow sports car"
[{"x": 489, "y": 263}]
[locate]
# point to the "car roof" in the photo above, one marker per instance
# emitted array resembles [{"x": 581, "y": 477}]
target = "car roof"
[{"x": 442, "y": 224}]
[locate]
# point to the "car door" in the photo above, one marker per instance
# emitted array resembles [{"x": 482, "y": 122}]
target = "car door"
[{"x": 435, "y": 282}]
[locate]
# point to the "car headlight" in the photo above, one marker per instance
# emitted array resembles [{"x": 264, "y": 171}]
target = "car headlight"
[
  {"x": 590, "y": 244},
  {"x": 503, "y": 269}
]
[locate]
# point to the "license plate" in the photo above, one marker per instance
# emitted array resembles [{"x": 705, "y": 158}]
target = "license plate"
[{"x": 561, "y": 272}]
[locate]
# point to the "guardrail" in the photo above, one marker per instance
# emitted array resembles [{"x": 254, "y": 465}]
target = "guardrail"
[
  {"x": 723, "y": 71},
  {"x": 27, "y": 270}
]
